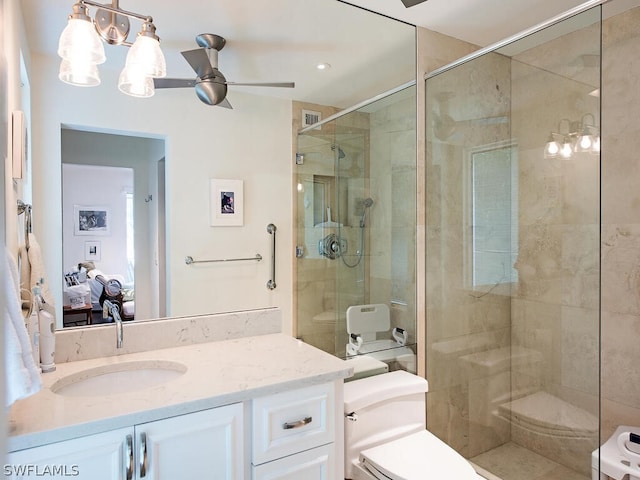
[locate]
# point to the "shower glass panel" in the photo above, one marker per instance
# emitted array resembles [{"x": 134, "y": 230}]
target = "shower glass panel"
[
  {"x": 513, "y": 205},
  {"x": 356, "y": 223}
]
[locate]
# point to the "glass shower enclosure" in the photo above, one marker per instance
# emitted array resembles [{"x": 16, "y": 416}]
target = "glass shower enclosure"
[
  {"x": 355, "y": 207},
  {"x": 512, "y": 253}
]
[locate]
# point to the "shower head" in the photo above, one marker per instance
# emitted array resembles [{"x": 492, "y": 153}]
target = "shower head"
[{"x": 367, "y": 202}]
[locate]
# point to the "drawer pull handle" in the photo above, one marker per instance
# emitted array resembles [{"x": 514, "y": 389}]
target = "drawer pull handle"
[{"x": 298, "y": 424}]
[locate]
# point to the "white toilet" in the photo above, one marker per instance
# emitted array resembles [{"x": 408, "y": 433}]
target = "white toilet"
[{"x": 386, "y": 436}]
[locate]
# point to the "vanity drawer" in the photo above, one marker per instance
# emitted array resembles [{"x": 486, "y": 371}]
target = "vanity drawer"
[
  {"x": 292, "y": 421},
  {"x": 315, "y": 464}
]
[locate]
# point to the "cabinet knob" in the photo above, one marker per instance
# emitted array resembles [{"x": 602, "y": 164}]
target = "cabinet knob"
[{"x": 298, "y": 424}]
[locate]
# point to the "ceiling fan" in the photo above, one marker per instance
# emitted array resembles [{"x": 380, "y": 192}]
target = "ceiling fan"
[
  {"x": 411, "y": 3},
  {"x": 210, "y": 84}
]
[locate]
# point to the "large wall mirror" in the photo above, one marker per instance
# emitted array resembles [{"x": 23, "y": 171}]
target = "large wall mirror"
[
  {"x": 175, "y": 137},
  {"x": 108, "y": 234}
]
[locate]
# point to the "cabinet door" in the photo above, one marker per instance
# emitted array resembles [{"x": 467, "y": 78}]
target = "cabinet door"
[
  {"x": 314, "y": 464},
  {"x": 103, "y": 456},
  {"x": 202, "y": 445}
]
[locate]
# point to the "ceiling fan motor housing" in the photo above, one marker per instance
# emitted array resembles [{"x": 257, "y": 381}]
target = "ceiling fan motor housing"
[{"x": 212, "y": 90}]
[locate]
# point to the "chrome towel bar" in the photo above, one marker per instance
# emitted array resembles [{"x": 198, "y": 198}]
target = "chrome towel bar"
[
  {"x": 189, "y": 260},
  {"x": 26, "y": 209}
]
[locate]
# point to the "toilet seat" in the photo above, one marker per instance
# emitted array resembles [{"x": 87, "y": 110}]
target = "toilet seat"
[{"x": 418, "y": 456}]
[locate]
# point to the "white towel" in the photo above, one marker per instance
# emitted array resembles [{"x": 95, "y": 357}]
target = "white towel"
[
  {"x": 21, "y": 374},
  {"x": 32, "y": 273}
]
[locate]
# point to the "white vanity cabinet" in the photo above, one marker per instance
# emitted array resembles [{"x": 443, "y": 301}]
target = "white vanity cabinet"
[
  {"x": 261, "y": 407},
  {"x": 298, "y": 434},
  {"x": 205, "y": 444},
  {"x": 99, "y": 456},
  {"x": 202, "y": 445}
]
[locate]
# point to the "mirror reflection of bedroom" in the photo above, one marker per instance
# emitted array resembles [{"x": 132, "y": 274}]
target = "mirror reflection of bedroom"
[{"x": 110, "y": 208}]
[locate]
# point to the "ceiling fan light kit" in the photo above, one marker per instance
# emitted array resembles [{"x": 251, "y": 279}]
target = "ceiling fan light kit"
[
  {"x": 210, "y": 84},
  {"x": 81, "y": 48}
]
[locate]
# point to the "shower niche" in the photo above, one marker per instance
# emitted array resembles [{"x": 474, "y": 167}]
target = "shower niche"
[{"x": 355, "y": 180}]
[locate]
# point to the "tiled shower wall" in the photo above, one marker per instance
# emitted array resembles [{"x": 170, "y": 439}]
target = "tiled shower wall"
[
  {"x": 554, "y": 306},
  {"x": 393, "y": 222},
  {"x": 463, "y": 322},
  {"x": 568, "y": 275},
  {"x": 620, "y": 255}
]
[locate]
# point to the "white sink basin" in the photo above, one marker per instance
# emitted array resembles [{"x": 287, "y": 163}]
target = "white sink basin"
[{"x": 118, "y": 378}]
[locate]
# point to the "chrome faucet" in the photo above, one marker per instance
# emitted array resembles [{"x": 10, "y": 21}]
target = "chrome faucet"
[{"x": 110, "y": 308}]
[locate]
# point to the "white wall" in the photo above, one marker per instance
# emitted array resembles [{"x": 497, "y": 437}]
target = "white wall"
[
  {"x": 252, "y": 142},
  {"x": 91, "y": 185},
  {"x": 13, "y": 35}
]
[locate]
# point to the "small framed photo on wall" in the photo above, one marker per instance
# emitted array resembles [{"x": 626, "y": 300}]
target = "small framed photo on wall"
[
  {"x": 226, "y": 203},
  {"x": 90, "y": 220},
  {"x": 92, "y": 251}
]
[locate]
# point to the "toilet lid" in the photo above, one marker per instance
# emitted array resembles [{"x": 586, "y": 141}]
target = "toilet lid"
[{"x": 415, "y": 457}]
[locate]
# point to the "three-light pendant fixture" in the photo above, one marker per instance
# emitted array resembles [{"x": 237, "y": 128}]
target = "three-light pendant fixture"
[{"x": 81, "y": 47}]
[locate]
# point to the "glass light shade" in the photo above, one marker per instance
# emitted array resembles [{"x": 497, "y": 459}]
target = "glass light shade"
[
  {"x": 566, "y": 150},
  {"x": 595, "y": 148},
  {"x": 145, "y": 53},
  {"x": 80, "y": 74},
  {"x": 79, "y": 42},
  {"x": 133, "y": 81},
  {"x": 552, "y": 148},
  {"x": 585, "y": 142}
]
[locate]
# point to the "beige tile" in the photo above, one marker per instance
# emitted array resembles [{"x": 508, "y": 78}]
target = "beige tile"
[
  {"x": 563, "y": 473},
  {"x": 512, "y": 462}
]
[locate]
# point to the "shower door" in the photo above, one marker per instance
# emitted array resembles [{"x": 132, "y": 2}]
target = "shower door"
[
  {"x": 356, "y": 220},
  {"x": 513, "y": 254},
  {"x": 331, "y": 189}
]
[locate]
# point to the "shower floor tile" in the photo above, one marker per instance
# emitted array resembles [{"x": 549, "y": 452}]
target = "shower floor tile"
[{"x": 513, "y": 462}]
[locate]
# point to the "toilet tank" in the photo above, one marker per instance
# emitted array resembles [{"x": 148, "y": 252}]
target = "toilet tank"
[{"x": 380, "y": 409}]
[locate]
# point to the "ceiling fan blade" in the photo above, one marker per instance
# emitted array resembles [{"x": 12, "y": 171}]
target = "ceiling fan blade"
[
  {"x": 225, "y": 103},
  {"x": 174, "y": 82},
  {"x": 412, "y": 3},
  {"x": 199, "y": 61},
  {"x": 264, "y": 84}
]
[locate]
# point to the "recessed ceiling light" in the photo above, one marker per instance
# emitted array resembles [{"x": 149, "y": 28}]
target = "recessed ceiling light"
[{"x": 323, "y": 66}]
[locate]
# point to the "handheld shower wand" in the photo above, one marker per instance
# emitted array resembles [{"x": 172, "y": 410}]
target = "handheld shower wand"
[{"x": 366, "y": 203}]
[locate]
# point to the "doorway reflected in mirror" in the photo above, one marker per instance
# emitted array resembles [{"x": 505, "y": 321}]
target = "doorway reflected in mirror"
[{"x": 112, "y": 187}]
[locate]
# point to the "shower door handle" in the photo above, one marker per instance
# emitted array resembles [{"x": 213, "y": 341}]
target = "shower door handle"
[{"x": 271, "y": 284}]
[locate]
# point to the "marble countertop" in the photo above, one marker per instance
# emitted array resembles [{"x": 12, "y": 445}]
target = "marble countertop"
[{"x": 218, "y": 373}]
